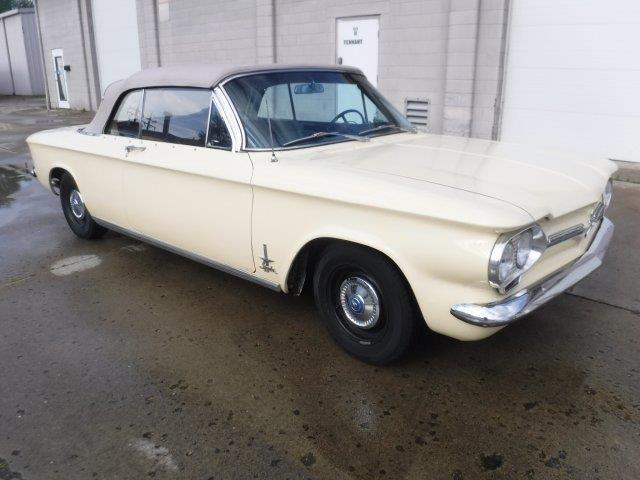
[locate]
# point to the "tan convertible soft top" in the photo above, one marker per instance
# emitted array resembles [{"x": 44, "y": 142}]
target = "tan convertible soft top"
[{"x": 199, "y": 76}]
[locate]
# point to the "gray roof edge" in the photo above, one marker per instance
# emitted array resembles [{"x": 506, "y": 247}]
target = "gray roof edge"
[
  {"x": 208, "y": 76},
  {"x": 199, "y": 76}
]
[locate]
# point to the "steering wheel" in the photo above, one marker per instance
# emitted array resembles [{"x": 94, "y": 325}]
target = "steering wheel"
[{"x": 344, "y": 117}]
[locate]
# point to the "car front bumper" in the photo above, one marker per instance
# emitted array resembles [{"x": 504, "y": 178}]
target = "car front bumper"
[{"x": 510, "y": 309}]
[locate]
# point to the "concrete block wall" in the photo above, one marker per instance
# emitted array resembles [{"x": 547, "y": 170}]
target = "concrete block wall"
[
  {"x": 448, "y": 51},
  {"x": 192, "y": 31},
  {"x": 62, "y": 26},
  {"x": 148, "y": 32},
  {"x": 490, "y": 51},
  {"x": 475, "y": 52},
  {"x": 265, "y": 30}
]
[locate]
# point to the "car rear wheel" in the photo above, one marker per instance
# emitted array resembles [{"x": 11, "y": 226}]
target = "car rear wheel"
[
  {"x": 365, "y": 303},
  {"x": 75, "y": 211}
]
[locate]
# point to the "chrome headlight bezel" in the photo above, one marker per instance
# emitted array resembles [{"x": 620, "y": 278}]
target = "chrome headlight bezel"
[{"x": 508, "y": 260}]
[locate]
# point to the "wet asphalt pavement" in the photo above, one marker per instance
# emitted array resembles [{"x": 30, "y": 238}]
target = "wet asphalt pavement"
[{"x": 122, "y": 361}]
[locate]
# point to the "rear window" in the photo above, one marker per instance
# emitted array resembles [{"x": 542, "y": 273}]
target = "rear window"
[
  {"x": 176, "y": 115},
  {"x": 126, "y": 121}
]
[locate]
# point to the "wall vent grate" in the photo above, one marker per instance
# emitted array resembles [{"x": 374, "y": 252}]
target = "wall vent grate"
[{"x": 417, "y": 111}]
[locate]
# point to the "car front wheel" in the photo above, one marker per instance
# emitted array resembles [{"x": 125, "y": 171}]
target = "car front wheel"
[
  {"x": 365, "y": 303},
  {"x": 75, "y": 211}
]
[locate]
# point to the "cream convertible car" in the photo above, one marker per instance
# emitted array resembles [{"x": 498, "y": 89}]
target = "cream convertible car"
[{"x": 298, "y": 175}]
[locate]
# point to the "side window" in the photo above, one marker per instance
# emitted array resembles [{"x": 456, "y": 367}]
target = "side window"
[
  {"x": 219, "y": 136},
  {"x": 176, "y": 115},
  {"x": 126, "y": 121}
]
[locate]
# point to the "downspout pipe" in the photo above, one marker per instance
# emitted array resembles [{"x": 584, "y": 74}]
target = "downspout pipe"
[
  {"x": 47, "y": 95},
  {"x": 93, "y": 55},
  {"x": 156, "y": 19},
  {"x": 496, "y": 131},
  {"x": 6, "y": 44},
  {"x": 85, "y": 55},
  {"x": 273, "y": 32}
]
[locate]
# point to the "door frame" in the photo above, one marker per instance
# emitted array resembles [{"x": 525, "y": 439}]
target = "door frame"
[
  {"x": 57, "y": 52},
  {"x": 337, "y": 39}
]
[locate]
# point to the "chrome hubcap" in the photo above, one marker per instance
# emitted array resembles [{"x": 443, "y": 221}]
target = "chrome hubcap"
[
  {"x": 77, "y": 204},
  {"x": 360, "y": 302}
]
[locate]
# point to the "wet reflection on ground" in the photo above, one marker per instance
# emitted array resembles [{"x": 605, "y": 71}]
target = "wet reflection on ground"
[
  {"x": 125, "y": 361},
  {"x": 11, "y": 180}
]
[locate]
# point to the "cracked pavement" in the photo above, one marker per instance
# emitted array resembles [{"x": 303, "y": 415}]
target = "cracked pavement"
[{"x": 121, "y": 360}]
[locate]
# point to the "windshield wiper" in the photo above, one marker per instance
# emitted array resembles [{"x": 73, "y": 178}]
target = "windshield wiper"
[
  {"x": 325, "y": 134},
  {"x": 387, "y": 126}
]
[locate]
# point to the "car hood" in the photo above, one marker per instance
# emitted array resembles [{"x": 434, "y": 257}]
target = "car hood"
[{"x": 544, "y": 183}]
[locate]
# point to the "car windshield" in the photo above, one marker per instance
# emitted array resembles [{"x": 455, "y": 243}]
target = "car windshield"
[{"x": 302, "y": 108}]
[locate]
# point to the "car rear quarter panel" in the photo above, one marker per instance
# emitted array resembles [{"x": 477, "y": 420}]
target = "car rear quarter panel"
[{"x": 94, "y": 164}]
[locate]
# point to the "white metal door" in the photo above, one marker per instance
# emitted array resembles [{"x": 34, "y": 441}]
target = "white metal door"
[
  {"x": 60, "y": 76},
  {"x": 115, "y": 27},
  {"x": 573, "y": 76},
  {"x": 357, "y": 45}
]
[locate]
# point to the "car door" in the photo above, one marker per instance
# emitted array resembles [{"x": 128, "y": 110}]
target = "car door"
[
  {"x": 99, "y": 172},
  {"x": 184, "y": 186}
]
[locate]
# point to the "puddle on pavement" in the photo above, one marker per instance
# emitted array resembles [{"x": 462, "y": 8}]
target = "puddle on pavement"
[{"x": 11, "y": 180}]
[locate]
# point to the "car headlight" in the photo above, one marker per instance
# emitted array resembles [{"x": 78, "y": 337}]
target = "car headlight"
[
  {"x": 514, "y": 254},
  {"x": 608, "y": 194}
]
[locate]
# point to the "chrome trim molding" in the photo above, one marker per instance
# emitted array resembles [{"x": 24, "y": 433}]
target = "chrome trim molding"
[
  {"x": 191, "y": 256},
  {"x": 510, "y": 309},
  {"x": 566, "y": 234},
  {"x": 230, "y": 113},
  {"x": 538, "y": 246},
  {"x": 594, "y": 219},
  {"x": 206, "y": 134}
]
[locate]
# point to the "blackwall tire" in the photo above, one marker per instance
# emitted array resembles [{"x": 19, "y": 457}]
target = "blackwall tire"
[
  {"x": 75, "y": 212},
  {"x": 365, "y": 303}
]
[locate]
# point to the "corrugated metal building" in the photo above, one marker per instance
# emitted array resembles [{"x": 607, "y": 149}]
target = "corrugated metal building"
[
  {"x": 20, "y": 56},
  {"x": 555, "y": 72}
]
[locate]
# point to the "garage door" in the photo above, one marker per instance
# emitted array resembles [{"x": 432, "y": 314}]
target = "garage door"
[
  {"x": 115, "y": 26},
  {"x": 573, "y": 76}
]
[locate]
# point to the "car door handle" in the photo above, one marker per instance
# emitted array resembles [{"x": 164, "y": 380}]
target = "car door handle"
[{"x": 133, "y": 148}]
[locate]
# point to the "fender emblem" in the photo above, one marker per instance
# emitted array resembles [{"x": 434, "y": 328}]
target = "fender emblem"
[{"x": 266, "y": 261}]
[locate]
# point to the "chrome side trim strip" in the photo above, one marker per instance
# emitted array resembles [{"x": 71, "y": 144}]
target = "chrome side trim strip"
[
  {"x": 191, "y": 256},
  {"x": 206, "y": 134},
  {"x": 596, "y": 216},
  {"x": 511, "y": 308},
  {"x": 566, "y": 234},
  {"x": 231, "y": 113}
]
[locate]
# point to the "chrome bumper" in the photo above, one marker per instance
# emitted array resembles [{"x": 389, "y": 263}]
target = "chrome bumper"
[{"x": 510, "y": 309}]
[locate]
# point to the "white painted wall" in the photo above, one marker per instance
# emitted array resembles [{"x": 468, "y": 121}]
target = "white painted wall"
[
  {"x": 115, "y": 25},
  {"x": 573, "y": 76}
]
